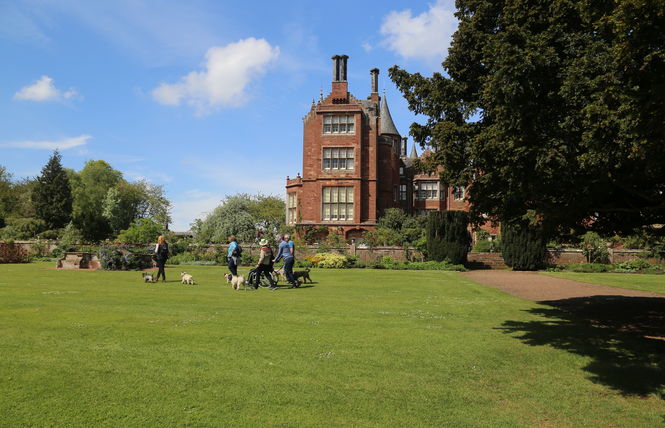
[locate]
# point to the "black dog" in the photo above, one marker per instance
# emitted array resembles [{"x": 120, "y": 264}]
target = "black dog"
[{"x": 304, "y": 274}]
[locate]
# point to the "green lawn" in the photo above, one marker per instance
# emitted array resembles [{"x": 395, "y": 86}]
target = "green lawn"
[
  {"x": 365, "y": 348},
  {"x": 632, "y": 281}
]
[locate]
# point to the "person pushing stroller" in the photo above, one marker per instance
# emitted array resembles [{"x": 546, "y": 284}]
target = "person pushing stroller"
[{"x": 265, "y": 265}]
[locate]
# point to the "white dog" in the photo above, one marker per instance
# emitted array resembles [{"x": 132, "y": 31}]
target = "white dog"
[
  {"x": 235, "y": 281},
  {"x": 187, "y": 278}
]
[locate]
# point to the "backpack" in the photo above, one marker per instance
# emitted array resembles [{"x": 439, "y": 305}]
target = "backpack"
[
  {"x": 238, "y": 251},
  {"x": 163, "y": 251}
]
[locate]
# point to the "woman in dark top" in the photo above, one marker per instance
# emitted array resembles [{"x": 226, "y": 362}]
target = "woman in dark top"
[{"x": 161, "y": 255}]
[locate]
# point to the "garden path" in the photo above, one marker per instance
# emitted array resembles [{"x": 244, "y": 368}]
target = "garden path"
[{"x": 538, "y": 287}]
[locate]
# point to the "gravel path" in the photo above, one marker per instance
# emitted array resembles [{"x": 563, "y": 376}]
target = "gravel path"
[{"x": 538, "y": 287}]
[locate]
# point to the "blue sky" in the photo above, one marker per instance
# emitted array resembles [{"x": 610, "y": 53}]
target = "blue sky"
[{"x": 203, "y": 97}]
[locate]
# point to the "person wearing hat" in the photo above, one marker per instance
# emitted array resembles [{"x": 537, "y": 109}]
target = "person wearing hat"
[
  {"x": 264, "y": 266},
  {"x": 286, "y": 251}
]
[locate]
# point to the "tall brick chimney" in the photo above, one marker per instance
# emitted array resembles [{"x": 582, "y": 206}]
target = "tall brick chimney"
[
  {"x": 375, "y": 80},
  {"x": 374, "y": 96},
  {"x": 340, "y": 86}
]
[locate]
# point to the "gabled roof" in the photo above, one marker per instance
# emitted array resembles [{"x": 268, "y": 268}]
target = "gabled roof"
[{"x": 387, "y": 124}]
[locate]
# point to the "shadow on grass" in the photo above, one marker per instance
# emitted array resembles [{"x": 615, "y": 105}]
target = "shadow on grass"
[{"x": 624, "y": 337}]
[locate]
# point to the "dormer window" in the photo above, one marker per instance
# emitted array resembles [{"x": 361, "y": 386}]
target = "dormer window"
[{"x": 338, "y": 124}]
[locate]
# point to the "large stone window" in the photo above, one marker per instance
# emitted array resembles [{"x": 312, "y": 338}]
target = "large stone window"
[
  {"x": 428, "y": 190},
  {"x": 339, "y": 124},
  {"x": 338, "y": 158},
  {"x": 291, "y": 207},
  {"x": 337, "y": 203}
]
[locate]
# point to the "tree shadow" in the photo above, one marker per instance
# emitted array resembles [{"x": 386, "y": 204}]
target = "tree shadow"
[{"x": 624, "y": 337}]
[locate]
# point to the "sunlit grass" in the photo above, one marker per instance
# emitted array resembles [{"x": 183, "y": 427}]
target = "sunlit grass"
[
  {"x": 358, "y": 348},
  {"x": 633, "y": 281}
]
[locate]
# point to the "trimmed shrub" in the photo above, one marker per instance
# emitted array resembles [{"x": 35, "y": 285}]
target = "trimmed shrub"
[
  {"x": 523, "y": 247},
  {"x": 448, "y": 237},
  {"x": 122, "y": 257}
]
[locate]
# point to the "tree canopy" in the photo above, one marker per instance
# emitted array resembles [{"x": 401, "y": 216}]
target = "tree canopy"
[
  {"x": 550, "y": 111},
  {"x": 241, "y": 215}
]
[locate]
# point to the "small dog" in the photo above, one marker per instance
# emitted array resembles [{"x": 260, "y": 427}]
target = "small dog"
[
  {"x": 187, "y": 278},
  {"x": 148, "y": 277},
  {"x": 235, "y": 281},
  {"x": 304, "y": 274},
  {"x": 280, "y": 274}
]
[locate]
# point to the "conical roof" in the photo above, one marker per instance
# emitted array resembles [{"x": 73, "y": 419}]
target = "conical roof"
[
  {"x": 387, "y": 124},
  {"x": 414, "y": 153}
]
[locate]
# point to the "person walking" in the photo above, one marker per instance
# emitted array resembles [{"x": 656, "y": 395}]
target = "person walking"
[
  {"x": 161, "y": 255},
  {"x": 286, "y": 251},
  {"x": 264, "y": 266},
  {"x": 234, "y": 253}
]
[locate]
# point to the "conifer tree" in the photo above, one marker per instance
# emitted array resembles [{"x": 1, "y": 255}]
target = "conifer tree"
[
  {"x": 448, "y": 237},
  {"x": 52, "y": 194}
]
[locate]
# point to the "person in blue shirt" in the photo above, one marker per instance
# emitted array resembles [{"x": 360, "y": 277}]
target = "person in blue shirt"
[
  {"x": 286, "y": 251},
  {"x": 233, "y": 256}
]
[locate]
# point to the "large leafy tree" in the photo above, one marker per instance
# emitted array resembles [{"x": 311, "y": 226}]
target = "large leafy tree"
[
  {"x": 241, "y": 215},
  {"x": 90, "y": 190},
  {"x": 52, "y": 194},
  {"x": 126, "y": 202},
  {"x": 550, "y": 111}
]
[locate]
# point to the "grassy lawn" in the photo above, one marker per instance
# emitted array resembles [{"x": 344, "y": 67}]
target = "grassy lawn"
[
  {"x": 366, "y": 348},
  {"x": 632, "y": 281}
]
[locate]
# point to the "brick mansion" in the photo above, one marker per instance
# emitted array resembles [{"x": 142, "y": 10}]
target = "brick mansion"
[{"x": 355, "y": 165}]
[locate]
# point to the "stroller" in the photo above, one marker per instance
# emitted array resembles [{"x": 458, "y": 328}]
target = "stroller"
[{"x": 264, "y": 281}]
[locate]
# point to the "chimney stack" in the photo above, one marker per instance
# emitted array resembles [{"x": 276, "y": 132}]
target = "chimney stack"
[
  {"x": 375, "y": 79},
  {"x": 340, "y": 86},
  {"x": 339, "y": 68}
]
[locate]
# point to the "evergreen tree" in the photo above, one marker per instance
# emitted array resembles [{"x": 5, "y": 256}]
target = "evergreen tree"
[
  {"x": 448, "y": 237},
  {"x": 523, "y": 246},
  {"x": 52, "y": 194}
]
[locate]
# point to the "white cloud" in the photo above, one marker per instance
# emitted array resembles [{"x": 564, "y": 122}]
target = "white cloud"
[
  {"x": 229, "y": 70},
  {"x": 185, "y": 211},
  {"x": 44, "y": 90},
  {"x": 63, "y": 144},
  {"x": 425, "y": 37},
  {"x": 367, "y": 46}
]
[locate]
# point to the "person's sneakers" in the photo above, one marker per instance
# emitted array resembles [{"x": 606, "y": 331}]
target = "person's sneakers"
[
  {"x": 292, "y": 285},
  {"x": 273, "y": 288}
]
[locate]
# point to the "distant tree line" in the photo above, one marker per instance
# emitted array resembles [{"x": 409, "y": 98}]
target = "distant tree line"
[{"x": 92, "y": 205}]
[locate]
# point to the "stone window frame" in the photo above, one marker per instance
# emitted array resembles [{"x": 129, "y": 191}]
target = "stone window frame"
[
  {"x": 333, "y": 124},
  {"x": 337, "y": 201},
  {"x": 291, "y": 207},
  {"x": 428, "y": 191},
  {"x": 347, "y": 160}
]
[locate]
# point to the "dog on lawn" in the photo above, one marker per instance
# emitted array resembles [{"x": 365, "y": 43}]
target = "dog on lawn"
[
  {"x": 187, "y": 278},
  {"x": 304, "y": 274},
  {"x": 148, "y": 277},
  {"x": 236, "y": 281}
]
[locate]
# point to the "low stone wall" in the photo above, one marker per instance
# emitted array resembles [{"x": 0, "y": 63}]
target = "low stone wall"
[
  {"x": 366, "y": 254},
  {"x": 78, "y": 260}
]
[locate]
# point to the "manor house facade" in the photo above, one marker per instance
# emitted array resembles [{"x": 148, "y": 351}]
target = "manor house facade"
[{"x": 355, "y": 165}]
